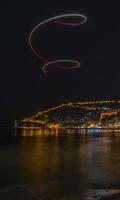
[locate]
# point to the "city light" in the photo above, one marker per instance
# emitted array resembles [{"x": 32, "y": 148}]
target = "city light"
[{"x": 92, "y": 115}]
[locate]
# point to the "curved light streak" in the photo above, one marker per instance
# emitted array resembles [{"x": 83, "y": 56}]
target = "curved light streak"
[
  {"x": 55, "y": 19},
  {"x": 84, "y": 19},
  {"x": 77, "y": 64}
]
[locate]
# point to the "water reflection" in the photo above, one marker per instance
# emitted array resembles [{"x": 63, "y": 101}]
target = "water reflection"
[
  {"x": 38, "y": 132},
  {"x": 59, "y": 163},
  {"x": 82, "y": 132}
]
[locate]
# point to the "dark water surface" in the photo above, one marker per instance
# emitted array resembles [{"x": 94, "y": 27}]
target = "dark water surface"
[{"x": 36, "y": 164}]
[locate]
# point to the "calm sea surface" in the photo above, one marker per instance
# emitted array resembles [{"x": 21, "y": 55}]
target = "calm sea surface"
[{"x": 66, "y": 164}]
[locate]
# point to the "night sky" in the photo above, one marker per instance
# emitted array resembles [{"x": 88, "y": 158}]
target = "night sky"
[{"x": 23, "y": 87}]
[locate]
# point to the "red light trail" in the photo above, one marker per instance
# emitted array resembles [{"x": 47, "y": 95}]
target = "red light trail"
[{"x": 67, "y": 20}]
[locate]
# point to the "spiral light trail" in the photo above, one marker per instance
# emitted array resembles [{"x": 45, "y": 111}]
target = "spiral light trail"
[{"x": 72, "y": 20}]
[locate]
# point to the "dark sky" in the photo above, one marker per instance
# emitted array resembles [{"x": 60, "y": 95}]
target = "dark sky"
[{"x": 24, "y": 89}]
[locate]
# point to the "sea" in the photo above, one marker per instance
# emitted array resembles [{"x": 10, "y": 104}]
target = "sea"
[{"x": 67, "y": 164}]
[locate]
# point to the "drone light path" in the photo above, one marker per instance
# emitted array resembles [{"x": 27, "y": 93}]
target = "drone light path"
[
  {"x": 66, "y": 19},
  {"x": 72, "y": 20},
  {"x": 75, "y": 64}
]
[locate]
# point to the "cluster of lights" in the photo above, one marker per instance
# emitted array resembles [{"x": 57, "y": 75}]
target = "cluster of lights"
[
  {"x": 109, "y": 114},
  {"x": 90, "y": 103}
]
